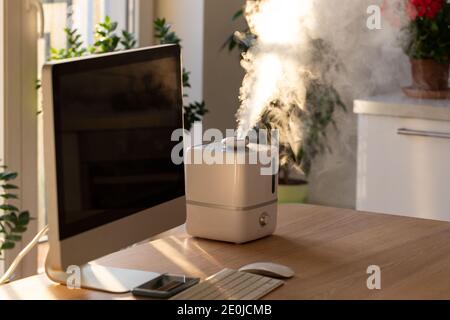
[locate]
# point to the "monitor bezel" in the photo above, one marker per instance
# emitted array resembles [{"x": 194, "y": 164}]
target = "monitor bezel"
[{"x": 93, "y": 63}]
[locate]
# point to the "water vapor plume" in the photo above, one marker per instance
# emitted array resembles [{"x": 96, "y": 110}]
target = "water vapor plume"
[{"x": 285, "y": 59}]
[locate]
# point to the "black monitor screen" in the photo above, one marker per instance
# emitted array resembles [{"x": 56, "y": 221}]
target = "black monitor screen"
[{"x": 114, "y": 119}]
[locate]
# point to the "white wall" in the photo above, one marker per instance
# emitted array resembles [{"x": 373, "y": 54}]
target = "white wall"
[
  {"x": 188, "y": 23},
  {"x": 223, "y": 74},
  {"x": 332, "y": 181},
  {"x": 216, "y": 75},
  {"x": 115, "y": 9}
]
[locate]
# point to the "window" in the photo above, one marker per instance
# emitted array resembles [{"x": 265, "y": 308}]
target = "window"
[
  {"x": 22, "y": 55},
  {"x": 82, "y": 15},
  {"x": 18, "y": 106}
]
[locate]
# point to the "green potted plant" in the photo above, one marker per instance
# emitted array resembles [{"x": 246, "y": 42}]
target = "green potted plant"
[
  {"x": 322, "y": 100},
  {"x": 427, "y": 43},
  {"x": 13, "y": 222}
]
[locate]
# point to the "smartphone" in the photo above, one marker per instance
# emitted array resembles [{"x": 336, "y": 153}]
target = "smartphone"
[{"x": 165, "y": 286}]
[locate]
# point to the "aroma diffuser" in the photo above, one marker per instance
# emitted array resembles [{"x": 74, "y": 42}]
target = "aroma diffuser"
[{"x": 233, "y": 199}]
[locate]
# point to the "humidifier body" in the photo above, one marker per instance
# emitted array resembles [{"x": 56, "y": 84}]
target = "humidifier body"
[{"x": 233, "y": 200}]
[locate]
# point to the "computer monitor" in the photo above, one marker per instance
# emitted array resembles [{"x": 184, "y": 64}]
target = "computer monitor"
[{"x": 110, "y": 179}]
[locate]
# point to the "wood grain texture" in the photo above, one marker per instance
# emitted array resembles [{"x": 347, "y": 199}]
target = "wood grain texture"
[{"x": 329, "y": 249}]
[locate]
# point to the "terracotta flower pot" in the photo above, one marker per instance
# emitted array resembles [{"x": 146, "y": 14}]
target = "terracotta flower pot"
[{"x": 429, "y": 75}]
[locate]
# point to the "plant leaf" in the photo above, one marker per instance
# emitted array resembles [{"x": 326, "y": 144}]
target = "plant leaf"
[
  {"x": 13, "y": 238},
  {"x": 19, "y": 229},
  {"x": 10, "y": 187},
  {"x": 7, "y": 245},
  {"x": 8, "y": 207},
  {"x": 9, "y": 196},
  {"x": 12, "y": 217},
  {"x": 8, "y": 176},
  {"x": 238, "y": 14},
  {"x": 24, "y": 218}
]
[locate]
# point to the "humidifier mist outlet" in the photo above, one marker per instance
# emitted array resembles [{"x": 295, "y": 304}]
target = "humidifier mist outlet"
[
  {"x": 230, "y": 201},
  {"x": 236, "y": 143}
]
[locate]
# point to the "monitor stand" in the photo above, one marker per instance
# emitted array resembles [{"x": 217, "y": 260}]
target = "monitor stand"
[{"x": 100, "y": 278}]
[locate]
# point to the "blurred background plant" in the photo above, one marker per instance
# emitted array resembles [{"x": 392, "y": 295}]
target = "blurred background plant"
[
  {"x": 107, "y": 39},
  {"x": 322, "y": 100},
  {"x": 13, "y": 222}
]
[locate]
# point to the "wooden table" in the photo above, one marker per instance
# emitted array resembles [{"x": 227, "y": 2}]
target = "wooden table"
[{"x": 329, "y": 249}]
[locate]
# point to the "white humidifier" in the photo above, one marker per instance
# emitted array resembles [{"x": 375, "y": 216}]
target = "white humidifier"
[{"x": 234, "y": 200}]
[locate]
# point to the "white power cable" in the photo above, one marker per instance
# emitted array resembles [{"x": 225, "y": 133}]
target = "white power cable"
[{"x": 6, "y": 278}]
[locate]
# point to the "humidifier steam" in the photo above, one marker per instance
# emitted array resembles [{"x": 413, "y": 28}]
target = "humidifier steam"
[{"x": 236, "y": 143}]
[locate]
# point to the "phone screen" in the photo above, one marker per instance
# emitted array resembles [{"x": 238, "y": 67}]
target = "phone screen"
[
  {"x": 164, "y": 283},
  {"x": 165, "y": 286}
]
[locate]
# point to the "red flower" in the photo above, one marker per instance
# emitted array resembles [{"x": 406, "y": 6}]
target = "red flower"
[
  {"x": 424, "y": 8},
  {"x": 411, "y": 11}
]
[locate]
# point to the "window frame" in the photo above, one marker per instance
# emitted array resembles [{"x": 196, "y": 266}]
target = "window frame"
[
  {"x": 18, "y": 125},
  {"x": 18, "y": 109},
  {"x": 143, "y": 22}
]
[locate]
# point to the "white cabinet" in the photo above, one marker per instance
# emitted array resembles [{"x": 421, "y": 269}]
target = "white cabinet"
[{"x": 404, "y": 162}]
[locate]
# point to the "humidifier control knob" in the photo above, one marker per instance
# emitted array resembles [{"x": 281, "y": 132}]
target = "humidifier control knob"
[{"x": 264, "y": 219}]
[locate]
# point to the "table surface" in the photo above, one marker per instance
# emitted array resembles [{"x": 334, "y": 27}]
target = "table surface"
[{"x": 329, "y": 249}]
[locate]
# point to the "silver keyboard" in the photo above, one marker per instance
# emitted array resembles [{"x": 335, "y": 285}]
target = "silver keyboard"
[{"x": 231, "y": 285}]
